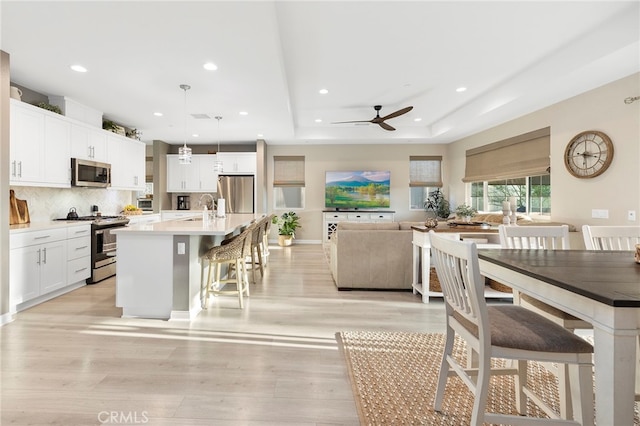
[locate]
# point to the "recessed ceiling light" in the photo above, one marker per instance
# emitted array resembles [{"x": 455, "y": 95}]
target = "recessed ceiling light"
[
  {"x": 78, "y": 68},
  {"x": 417, "y": 119},
  {"x": 195, "y": 135},
  {"x": 323, "y": 91},
  {"x": 318, "y": 120},
  {"x": 461, "y": 89},
  {"x": 260, "y": 135},
  {"x": 243, "y": 113},
  {"x": 157, "y": 114},
  {"x": 210, "y": 66}
]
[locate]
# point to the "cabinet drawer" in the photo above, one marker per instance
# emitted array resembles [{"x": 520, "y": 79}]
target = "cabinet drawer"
[
  {"x": 334, "y": 217},
  {"x": 358, "y": 216},
  {"x": 78, "y": 269},
  {"x": 382, "y": 216},
  {"x": 24, "y": 239},
  {"x": 78, "y": 247},
  {"x": 79, "y": 231}
]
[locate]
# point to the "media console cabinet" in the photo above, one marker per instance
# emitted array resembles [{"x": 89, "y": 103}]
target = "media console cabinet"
[{"x": 331, "y": 218}]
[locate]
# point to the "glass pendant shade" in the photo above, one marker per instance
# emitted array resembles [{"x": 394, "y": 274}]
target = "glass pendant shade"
[{"x": 184, "y": 155}]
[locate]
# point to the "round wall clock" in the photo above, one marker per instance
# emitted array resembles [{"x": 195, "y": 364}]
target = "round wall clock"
[{"x": 588, "y": 154}]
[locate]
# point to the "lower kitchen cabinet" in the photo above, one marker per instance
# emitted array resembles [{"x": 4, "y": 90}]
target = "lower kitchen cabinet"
[
  {"x": 47, "y": 262},
  {"x": 37, "y": 267},
  {"x": 78, "y": 254}
]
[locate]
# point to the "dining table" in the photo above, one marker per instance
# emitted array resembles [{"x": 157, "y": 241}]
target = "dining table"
[{"x": 601, "y": 287}]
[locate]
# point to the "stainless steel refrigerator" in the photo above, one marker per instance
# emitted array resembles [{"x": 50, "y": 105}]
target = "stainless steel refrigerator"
[{"x": 238, "y": 192}]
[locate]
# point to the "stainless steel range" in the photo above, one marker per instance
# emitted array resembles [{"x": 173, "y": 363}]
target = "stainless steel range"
[{"x": 103, "y": 245}]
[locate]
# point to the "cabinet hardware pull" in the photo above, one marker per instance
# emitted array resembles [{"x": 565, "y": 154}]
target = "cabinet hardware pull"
[
  {"x": 39, "y": 256},
  {"x": 42, "y": 237},
  {"x": 81, "y": 248},
  {"x": 44, "y": 251},
  {"x": 80, "y": 270},
  {"x": 19, "y": 168}
]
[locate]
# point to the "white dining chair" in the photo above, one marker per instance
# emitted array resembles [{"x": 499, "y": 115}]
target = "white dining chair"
[
  {"x": 611, "y": 237},
  {"x": 603, "y": 237},
  {"x": 503, "y": 331},
  {"x": 545, "y": 238}
]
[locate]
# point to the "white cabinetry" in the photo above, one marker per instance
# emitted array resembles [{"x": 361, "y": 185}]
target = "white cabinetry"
[
  {"x": 39, "y": 147},
  {"x": 127, "y": 159},
  {"x": 88, "y": 143},
  {"x": 78, "y": 253},
  {"x": 37, "y": 263},
  {"x": 195, "y": 177},
  {"x": 331, "y": 219},
  {"x": 238, "y": 162}
]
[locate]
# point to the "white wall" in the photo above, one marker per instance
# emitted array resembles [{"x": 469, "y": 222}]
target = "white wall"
[
  {"x": 321, "y": 158},
  {"x": 572, "y": 199}
]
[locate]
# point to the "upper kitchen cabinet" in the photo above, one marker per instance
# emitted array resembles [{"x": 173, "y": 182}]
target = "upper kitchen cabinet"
[
  {"x": 39, "y": 147},
  {"x": 238, "y": 162},
  {"x": 195, "y": 177},
  {"x": 127, "y": 158},
  {"x": 88, "y": 143}
]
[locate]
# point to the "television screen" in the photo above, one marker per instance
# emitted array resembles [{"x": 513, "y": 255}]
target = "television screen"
[{"x": 357, "y": 189}]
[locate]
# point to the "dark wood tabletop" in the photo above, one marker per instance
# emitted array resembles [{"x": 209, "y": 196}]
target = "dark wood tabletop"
[{"x": 610, "y": 277}]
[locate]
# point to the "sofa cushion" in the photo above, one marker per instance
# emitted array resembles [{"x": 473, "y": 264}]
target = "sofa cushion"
[{"x": 365, "y": 226}]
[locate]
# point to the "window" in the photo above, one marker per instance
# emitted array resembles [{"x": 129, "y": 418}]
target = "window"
[
  {"x": 288, "y": 182},
  {"x": 533, "y": 194},
  {"x": 425, "y": 176},
  {"x": 515, "y": 167}
]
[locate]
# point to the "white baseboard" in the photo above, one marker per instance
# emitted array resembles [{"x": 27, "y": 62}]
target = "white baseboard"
[
  {"x": 297, "y": 241},
  {"x": 6, "y": 318}
]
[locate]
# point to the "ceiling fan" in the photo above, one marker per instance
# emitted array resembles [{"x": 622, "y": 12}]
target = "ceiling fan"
[{"x": 381, "y": 120}]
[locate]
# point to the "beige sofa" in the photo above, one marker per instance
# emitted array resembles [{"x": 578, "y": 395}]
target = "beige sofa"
[{"x": 372, "y": 256}]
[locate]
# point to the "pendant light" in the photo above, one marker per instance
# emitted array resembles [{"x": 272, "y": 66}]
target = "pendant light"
[
  {"x": 184, "y": 153},
  {"x": 217, "y": 165}
]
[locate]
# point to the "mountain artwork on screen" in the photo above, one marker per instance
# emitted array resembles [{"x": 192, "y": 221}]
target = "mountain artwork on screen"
[{"x": 357, "y": 189}]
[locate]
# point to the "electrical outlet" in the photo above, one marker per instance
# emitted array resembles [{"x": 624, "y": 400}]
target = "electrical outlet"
[
  {"x": 181, "y": 248},
  {"x": 631, "y": 215},
  {"x": 600, "y": 214}
]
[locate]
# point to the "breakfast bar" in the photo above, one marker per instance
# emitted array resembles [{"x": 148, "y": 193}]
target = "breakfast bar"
[{"x": 159, "y": 270}]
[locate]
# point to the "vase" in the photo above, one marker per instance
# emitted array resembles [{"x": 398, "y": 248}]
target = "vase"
[
  {"x": 431, "y": 223},
  {"x": 285, "y": 240}
]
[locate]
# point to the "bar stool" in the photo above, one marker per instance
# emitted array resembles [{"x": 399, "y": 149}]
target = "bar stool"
[
  {"x": 265, "y": 239},
  {"x": 231, "y": 253}
]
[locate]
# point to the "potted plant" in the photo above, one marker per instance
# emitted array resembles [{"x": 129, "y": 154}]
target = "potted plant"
[
  {"x": 465, "y": 212},
  {"x": 436, "y": 205},
  {"x": 287, "y": 225}
]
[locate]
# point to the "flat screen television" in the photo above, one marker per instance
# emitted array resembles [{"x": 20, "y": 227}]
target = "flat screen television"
[{"x": 363, "y": 189}]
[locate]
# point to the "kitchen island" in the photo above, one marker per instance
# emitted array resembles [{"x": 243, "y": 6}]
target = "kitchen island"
[{"x": 159, "y": 269}]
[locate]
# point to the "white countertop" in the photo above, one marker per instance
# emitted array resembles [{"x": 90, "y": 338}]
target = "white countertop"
[
  {"x": 191, "y": 226},
  {"x": 39, "y": 226}
]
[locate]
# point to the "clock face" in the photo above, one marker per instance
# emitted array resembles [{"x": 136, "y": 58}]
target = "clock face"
[{"x": 588, "y": 154}]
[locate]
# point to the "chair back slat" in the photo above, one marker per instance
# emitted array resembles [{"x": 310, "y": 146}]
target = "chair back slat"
[
  {"x": 457, "y": 267},
  {"x": 611, "y": 237},
  {"x": 534, "y": 237}
]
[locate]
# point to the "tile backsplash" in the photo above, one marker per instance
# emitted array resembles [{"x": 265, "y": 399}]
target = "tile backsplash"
[{"x": 52, "y": 203}]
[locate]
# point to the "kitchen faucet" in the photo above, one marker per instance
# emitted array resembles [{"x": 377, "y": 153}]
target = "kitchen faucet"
[{"x": 210, "y": 204}]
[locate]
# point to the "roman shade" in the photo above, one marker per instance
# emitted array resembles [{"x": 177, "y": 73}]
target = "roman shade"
[
  {"x": 288, "y": 171},
  {"x": 425, "y": 171},
  {"x": 516, "y": 157}
]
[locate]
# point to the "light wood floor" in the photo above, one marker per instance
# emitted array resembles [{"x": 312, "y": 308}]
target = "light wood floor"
[{"x": 74, "y": 361}]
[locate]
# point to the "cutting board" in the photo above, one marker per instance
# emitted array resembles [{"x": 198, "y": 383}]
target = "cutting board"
[{"x": 18, "y": 210}]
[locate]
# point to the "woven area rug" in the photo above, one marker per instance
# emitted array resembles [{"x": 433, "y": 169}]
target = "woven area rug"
[{"x": 394, "y": 377}]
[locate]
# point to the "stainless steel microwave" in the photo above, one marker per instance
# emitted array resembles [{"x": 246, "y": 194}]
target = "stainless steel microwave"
[{"x": 90, "y": 173}]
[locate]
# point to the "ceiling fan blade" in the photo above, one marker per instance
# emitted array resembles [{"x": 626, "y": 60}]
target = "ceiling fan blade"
[
  {"x": 356, "y": 121},
  {"x": 386, "y": 126},
  {"x": 398, "y": 113}
]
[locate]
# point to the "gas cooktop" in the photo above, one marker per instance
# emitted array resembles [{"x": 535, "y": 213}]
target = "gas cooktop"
[{"x": 99, "y": 219}]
